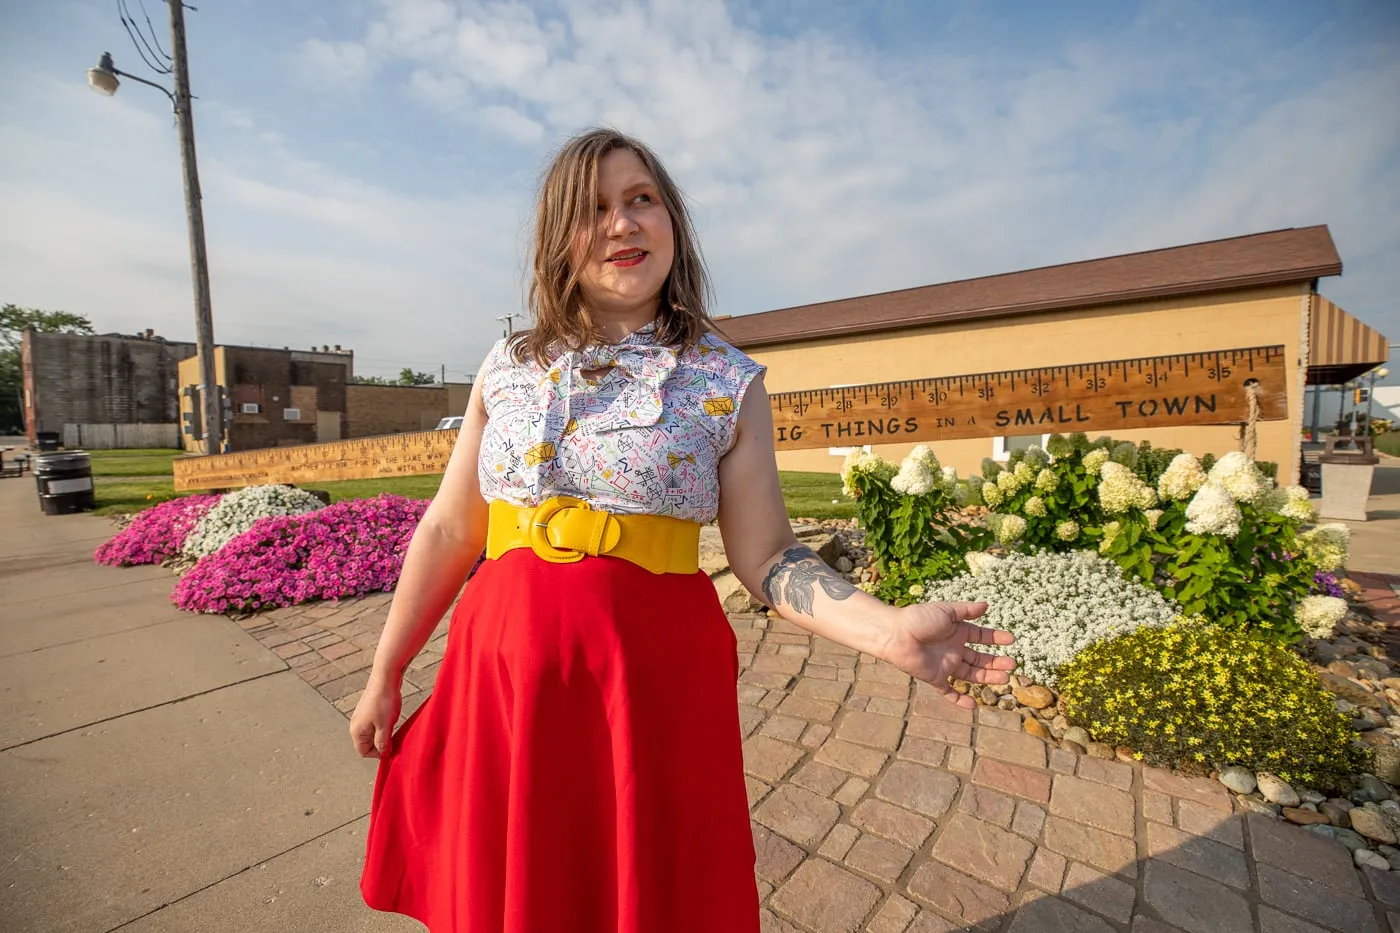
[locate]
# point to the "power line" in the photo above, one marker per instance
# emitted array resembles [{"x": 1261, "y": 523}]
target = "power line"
[{"x": 138, "y": 39}]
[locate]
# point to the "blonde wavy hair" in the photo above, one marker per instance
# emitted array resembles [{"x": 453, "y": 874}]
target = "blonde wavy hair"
[{"x": 568, "y": 197}]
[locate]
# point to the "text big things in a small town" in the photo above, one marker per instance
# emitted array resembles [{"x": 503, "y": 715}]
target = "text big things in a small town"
[{"x": 1209, "y": 387}]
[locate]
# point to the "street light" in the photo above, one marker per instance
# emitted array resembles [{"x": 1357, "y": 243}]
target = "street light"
[
  {"x": 104, "y": 79},
  {"x": 1371, "y": 396}
]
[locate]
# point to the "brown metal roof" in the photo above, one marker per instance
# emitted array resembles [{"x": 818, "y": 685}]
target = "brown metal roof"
[{"x": 1274, "y": 258}]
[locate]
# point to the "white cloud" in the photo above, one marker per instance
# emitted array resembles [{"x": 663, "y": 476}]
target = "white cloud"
[{"x": 334, "y": 63}]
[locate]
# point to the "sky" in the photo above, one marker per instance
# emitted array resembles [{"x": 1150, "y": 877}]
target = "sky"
[{"x": 368, "y": 166}]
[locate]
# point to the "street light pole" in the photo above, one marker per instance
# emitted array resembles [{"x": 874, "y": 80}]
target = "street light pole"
[
  {"x": 199, "y": 259},
  {"x": 103, "y": 79}
]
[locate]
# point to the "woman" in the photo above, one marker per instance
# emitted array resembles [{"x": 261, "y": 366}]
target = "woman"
[{"x": 578, "y": 766}]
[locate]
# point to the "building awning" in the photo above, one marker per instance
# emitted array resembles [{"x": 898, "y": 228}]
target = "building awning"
[{"x": 1340, "y": 347}]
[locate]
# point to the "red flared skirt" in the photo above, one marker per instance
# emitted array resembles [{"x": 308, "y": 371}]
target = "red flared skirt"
[{"x": 578, "y": 767}]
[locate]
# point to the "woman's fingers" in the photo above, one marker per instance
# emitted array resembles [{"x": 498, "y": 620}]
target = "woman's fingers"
[{"x": 982, "y": 635}]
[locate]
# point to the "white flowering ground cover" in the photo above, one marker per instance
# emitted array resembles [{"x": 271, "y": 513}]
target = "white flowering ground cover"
[
  {"x": 1055, "y": 604},
  {"x": 238, "y": 511}
]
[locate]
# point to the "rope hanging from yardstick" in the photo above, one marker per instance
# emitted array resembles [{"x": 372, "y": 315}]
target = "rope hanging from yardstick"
[{"x": 1249, "y": 431}]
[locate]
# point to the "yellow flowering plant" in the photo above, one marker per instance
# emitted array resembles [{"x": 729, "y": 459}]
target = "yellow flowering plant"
[{"x": 1205, "y": 694}]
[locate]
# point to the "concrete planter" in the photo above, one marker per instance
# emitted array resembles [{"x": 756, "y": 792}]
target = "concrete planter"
[{"x": 1346, "y": 480}]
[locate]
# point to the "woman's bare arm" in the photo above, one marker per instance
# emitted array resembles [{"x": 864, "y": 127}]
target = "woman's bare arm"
[
  {"x": 448, "y": 541},
  {"x": 928, "y": 640}
]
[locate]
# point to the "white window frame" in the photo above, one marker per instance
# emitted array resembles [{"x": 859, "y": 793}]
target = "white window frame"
[
  {"x": 291, "y": 414},
  {"x": 250, "y": 408},
  {"x": 1001, "y": 454}
]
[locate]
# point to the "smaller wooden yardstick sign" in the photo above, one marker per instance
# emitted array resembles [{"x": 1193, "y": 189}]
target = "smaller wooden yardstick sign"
[
  {"x": 1116, "y": 395},
  {"x": 1211, "y": 387}
]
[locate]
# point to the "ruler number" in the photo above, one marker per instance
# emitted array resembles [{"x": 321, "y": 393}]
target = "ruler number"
[
  {"x": 845, "y": 404},
  {"x": 800, "y": 408},
  {"x": 1219, "y": 372},
  {"x": 1097, "y": 383},
  {"x": 1156, "y": 379},
  {"x": 938, "y": 395},
  {"x": 888, "y": 401},
  {"x": 985, "y": 392},
  {"x": 1039, "y": 389}
]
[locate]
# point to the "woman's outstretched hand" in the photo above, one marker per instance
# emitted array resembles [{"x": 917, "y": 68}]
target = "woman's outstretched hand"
[{"x": 931, "y": 641}]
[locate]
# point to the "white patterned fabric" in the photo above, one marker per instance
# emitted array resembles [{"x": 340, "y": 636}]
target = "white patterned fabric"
[{"x": 644, "y": 437}]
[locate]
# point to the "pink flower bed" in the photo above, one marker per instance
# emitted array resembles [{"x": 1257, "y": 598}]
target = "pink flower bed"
[
  {"x": 345, "y": 550},
  {"x": 156, "y": 534}
]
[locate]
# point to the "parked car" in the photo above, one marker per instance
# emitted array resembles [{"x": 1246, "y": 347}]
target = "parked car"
[{"x": 449, "y": 424}]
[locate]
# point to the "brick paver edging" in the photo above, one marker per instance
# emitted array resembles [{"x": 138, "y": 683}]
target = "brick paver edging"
[{"x": 878, "y": 807}]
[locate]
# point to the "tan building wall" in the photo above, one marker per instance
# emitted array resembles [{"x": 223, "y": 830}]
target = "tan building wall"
[
  {"x": 376, "y": 410},
  {"x": 1246, "y": 318}
]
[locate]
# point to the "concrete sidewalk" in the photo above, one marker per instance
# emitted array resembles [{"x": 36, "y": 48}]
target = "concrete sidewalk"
[{"x": 160, "y": 771}]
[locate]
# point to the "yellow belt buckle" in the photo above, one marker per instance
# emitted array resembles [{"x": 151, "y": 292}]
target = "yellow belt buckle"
[{"x": 539, "y": 530}]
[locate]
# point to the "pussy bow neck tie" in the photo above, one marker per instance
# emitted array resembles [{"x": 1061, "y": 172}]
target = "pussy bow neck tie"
[{"x": 645, "y": 365}]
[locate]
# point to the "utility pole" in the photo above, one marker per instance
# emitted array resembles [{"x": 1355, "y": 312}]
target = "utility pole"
[
  {"x": 199, "y": 260},
  {"x": 507, "y": 319}
]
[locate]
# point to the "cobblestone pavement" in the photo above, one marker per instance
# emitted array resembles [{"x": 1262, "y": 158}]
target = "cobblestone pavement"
[{"x": 878, "y": 807}]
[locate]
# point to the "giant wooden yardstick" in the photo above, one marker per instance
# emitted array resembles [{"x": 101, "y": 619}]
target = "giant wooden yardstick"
[{"x": 1210, "y": 387}]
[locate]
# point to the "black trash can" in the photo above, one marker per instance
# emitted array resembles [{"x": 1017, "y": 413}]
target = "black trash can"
[
  {"x": 65, "y": 482},
  {"x": 46, "y": 440}
]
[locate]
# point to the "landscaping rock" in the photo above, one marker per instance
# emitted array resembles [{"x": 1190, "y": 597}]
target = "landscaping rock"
[
  {"x": 1375, "y": 788},
  {"x": 1392, "y": 683},
  {"x": 1334, "y": 811},
  {"x": 1368, "y": 719},
  {"x": 1276, "y": 790},
  {"x": 1007, "y": 702},
  {"x": 1385, "y": 762},
  {"x": 1303, "y": 817},
  {"x": 1075, "y": 747},
  {"x": 844, "y": 565},
  {"x": 1078, "y": 736},
  {"x": 1391, "y": 855},
  {"x": 1239, "y": 780},
  {"x": 1342, "y": 668},
  {"x": 1350, "y": 691},
  {"x": 1035, "y": 696},
  {"x": 1102, "y": 750},
  {"x": 1373, "y": 825},
  {"x": 1125, "y": 754},
  {"x": 1256, "y": 805},
  {"x": 1036, "y": 728},
  {"x": 1365, "y": 858}
]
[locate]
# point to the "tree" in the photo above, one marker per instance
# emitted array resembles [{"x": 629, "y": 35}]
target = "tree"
[
  {"x": 14, "y": 320},
  {"x": 410, "y": 378},
  {"x": 370, "y": 381}
]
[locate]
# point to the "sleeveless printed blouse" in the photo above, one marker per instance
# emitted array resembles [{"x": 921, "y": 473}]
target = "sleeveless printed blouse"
[{"x": 644, "y": 437}]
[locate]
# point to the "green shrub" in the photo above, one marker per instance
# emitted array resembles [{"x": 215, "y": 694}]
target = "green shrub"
[
  {"x": 1205, "y": 694},
  {"x": 910, "y": 520}
]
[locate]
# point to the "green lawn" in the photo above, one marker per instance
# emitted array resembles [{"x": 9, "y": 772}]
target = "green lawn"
[
  {"x": 154, "y": 462},
  {"x": 1389, "y": 442},
  {"x": 808, "y": 495}
]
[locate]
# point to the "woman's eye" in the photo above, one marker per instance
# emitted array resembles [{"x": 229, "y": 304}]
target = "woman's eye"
[{"x": 644, "y": 197}]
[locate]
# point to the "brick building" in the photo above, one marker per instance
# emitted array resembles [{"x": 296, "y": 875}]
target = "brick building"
[
  {"x": 376, "y": 409},
  {"x": 276, "y": 398},
  {"x": 111, "y": 379}
]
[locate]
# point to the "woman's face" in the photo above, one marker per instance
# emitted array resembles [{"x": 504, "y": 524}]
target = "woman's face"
[{"x": 633, "y": 245}]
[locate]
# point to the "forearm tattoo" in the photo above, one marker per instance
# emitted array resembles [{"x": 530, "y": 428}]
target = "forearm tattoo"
[{"x": 793, "y": 579}]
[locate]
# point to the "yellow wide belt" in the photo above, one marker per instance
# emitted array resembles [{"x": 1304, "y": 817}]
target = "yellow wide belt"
[{"x": 564, "y": 529}]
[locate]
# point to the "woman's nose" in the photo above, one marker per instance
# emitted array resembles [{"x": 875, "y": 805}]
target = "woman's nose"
[{"x": 621, "y": 222}]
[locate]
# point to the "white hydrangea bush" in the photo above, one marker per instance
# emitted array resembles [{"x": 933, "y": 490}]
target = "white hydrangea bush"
[
  {"x": 1055, "y": 604},
  {"x": 238, "y": 511},
  {"x": 1318, "y": 616}
]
